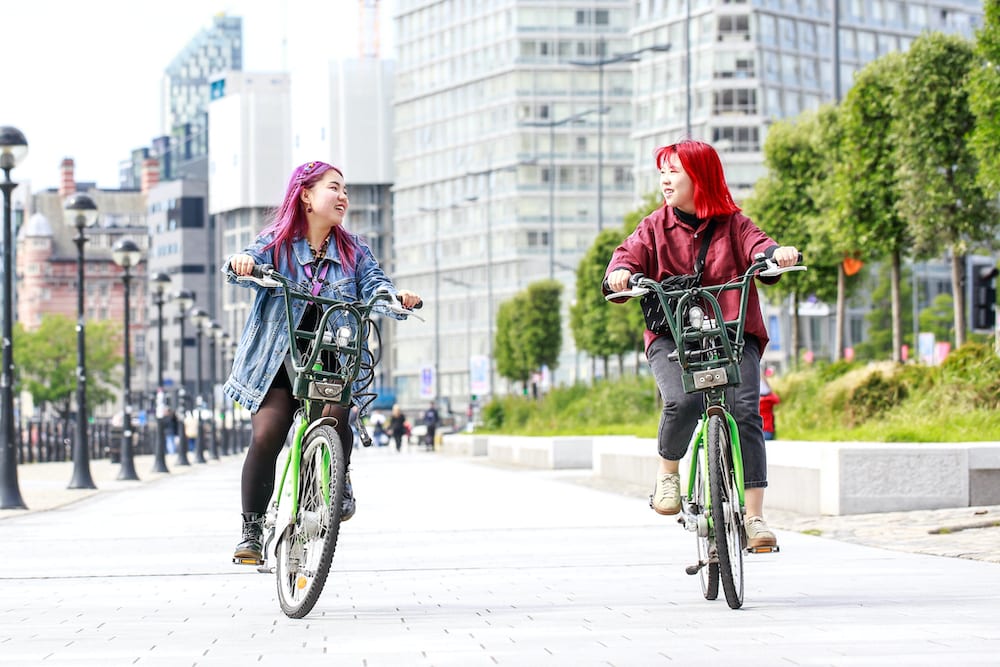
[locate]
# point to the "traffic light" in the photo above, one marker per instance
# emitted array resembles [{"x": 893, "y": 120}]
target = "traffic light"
[{"x": 984, "y": 297}]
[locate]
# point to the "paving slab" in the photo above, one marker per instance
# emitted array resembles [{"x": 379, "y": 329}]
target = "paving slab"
[{"x": 453, "y": 561}]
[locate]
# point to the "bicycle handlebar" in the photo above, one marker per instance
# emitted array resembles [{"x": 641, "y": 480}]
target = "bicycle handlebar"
[{"x": 265, "y": 275}]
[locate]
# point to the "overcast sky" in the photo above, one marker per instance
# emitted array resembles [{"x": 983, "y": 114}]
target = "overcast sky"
[{"x": 82, "y": 79}]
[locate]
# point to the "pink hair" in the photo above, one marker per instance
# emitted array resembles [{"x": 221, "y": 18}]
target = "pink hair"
[
  {"x": 289, "y": 221},
  {"x": 703, "y": 166}
]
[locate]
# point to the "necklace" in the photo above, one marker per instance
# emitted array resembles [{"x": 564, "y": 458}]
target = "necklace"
[{"x": 321, "y": 253}]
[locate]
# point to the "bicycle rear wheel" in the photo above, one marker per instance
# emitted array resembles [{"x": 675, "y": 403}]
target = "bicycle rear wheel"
[
  {"x": 709, "y": 573},
  {"x": 726, "y": 512},
  {"x": 305, "y": 551}
]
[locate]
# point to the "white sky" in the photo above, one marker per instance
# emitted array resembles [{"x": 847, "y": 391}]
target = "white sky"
[{"x": 82, "y": 79}]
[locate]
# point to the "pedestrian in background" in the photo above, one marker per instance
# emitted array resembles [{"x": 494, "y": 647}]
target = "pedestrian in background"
[{"x": 397, "y": 426}]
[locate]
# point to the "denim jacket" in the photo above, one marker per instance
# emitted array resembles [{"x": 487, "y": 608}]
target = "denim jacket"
[{"x": 264, "y": 341}]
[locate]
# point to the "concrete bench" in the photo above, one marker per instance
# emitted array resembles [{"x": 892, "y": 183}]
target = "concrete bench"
[{"x": 830, "y": 478}]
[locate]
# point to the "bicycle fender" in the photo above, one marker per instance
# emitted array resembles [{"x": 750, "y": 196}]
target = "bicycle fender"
[{"x": 322, "y": 421}]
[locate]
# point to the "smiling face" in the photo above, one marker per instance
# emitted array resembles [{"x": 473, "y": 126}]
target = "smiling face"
[
  {"x": 327, "y": 197},
  {"x": 676, "y": 185}
]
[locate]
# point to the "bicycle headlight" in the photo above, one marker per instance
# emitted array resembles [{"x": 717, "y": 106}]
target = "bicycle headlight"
[
  {"x": 343, "y": 336},
  {"x": 696, "y": 316}
]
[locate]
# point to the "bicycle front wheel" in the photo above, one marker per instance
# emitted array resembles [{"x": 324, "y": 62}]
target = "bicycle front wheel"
[
  {"x": 305, "y": 552},
  {"x": 709, "y": 571},
  {"x": 726, "y": 512}
]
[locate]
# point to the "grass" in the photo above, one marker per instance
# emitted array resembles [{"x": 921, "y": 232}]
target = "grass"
[{"x": 877, "y": 402}]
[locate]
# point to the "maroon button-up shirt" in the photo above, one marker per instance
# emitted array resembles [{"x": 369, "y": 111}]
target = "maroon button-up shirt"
[{"x": 664, "y": 246}]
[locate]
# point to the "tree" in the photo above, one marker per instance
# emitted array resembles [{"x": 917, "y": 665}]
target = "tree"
[
  {"x": 785, "y": 204},
  {"x": 863, "y": 195},
  {"x": 511, "y": 362},
  {"x": 937, "y": 317},
  {"x": 881, "y": 338},
  {"x": 529, "y": 331},
  {"x": 939, "y": 196},
  {"x": 45, "y": 361},
  {"x": 984, "y": 99}
]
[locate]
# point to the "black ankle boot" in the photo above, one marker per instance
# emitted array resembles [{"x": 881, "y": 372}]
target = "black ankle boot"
[{"x": 250, "y": 548}]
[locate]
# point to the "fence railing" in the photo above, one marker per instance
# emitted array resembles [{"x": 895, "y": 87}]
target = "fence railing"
[{"x": 40, "y": 441}]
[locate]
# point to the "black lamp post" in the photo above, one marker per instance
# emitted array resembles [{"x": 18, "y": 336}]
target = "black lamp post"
[
  {"x": 184, "y": 299},
  {"x": 199, "y": 317},
  {"x": 126, "y": 254},
  {"x": 159, "y": 281},
  {"x": 13, "y": 148},
  {"x": 213, "y": 329},
  {"x": 238, "y": 443},
  {"x": 552, "y": 125},
  {"x": 82, "y": 211},
  {"x": 228, "y": 447}
]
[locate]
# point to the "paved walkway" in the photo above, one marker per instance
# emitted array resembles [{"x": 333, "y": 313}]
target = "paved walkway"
[{"x": 457, "y": 562}]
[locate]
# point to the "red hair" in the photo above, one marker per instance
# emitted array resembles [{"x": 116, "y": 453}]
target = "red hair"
[{"x": 704, "y": 168}]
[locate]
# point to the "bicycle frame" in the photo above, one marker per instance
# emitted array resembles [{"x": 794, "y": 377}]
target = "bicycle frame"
[{"x": 697, "y": 447}]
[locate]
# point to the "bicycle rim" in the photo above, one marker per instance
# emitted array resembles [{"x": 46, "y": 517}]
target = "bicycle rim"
[
  {"x": 708, "y": 574},
  {"x": 725, "y": 513},
  {"x": 305, "y": 552}
]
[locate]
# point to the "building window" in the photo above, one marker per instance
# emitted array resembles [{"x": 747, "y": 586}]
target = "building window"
[{"x": 735, "y": 101}]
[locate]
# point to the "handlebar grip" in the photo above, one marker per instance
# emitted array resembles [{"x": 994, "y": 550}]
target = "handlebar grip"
[
  {"x": 634, "y": 279},
  {"x": 418, "y": 305},
  {"x": 261, "y": 271}
]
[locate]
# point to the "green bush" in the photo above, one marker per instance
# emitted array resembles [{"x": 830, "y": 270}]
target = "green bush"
[{"x": 882, "y": 402}]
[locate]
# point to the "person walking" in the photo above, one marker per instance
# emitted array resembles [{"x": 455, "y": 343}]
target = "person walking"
[
  {"x": 768, "y": 399},
  {"x": 698, "y": 209},
  {"x": 305, "y": 241},
  {"x": 397, "y": 426},
  {"x": 431, "y": 422}
]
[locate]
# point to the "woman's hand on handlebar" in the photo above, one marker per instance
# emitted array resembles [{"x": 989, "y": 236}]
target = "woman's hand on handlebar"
[
  {"x": 618, "y": 280},
  {"x": 242, "y": 265},
  {"x": 407, "y": 298},
  {"x": 786, "y": 256}
]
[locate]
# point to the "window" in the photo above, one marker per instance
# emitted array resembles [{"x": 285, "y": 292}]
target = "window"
[
  {"x": 735, "y": 101},
  {"x": 734, "y": 28},
  {"x": 736, "y": 139}
]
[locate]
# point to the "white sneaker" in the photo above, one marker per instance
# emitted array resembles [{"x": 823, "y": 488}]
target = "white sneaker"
[
  {"x": 666, "y": 498},
  {"x": 758, "y": 534}
]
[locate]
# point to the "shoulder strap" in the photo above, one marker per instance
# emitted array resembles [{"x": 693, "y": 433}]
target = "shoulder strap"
[{"x": 706, "y": 238}]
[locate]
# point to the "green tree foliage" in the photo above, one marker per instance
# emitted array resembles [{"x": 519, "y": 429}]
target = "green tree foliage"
[
  {"x": 529, "y": 331},
  {"x": 45, "y": 361},
  {"x": 984, "y": 99},
  {"x": 879, "y": 342},
  {"x": 939, "y": 195},
  {"x": 863, "y": 197},
  {"x": 786, "y": 204},
  {"x": 937, "y": 318},
  {"x": 596, "y": 325}
]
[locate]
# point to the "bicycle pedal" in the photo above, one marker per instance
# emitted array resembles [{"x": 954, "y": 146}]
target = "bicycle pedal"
[
  {"x": 763, "y": 550},
  {"x": 247, "y": 561}
]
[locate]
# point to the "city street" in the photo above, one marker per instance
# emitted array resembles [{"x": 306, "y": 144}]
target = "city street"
[{"x": 453, "y": 561}]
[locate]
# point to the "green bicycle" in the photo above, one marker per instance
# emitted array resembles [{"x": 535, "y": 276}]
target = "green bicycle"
[
  {"x": 709, "y": 351},
  {"x": 332, "y": 365}
]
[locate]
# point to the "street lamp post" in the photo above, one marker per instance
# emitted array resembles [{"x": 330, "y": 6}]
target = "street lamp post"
[
  {"x": 228, "y": 447},
  {"x": 436, "y": 210},
  {"x": 213, "y": 331},
  {"x": 200, "y": 318},
  {"x": 468, "y": 325},
  {"x": 159, "y": 281},
  {"x": 13, "y": 148},
  {"x": 552, "y": 176},
  {"x": 82, "y": 211},
  {"x": 184, "y": 299},
  {"x": 631, "y": 56},
  {"x": 126, "y": 254}
]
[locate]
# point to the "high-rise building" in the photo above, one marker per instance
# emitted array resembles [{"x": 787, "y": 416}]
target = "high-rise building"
[
  {"x": 498, "y": 139},
  {"x": 736, "y": 66},
  {"x": 186, "y": 91}
]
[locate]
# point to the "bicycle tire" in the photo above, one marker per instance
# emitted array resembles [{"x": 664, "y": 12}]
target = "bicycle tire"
[
  {"x": 709, "y": 573},
  {"x": 725, "y": 511},
  {"x": 305, "y": 552}
]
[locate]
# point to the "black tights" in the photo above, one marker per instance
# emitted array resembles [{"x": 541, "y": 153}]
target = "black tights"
[{"x": 270, "y": 425}]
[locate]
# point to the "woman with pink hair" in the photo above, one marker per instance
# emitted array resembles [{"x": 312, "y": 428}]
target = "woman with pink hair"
[{"x": 306, "y": 241}]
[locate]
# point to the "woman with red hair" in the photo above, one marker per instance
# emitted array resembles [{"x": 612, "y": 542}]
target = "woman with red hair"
[{"x": 667, "y": 243}]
